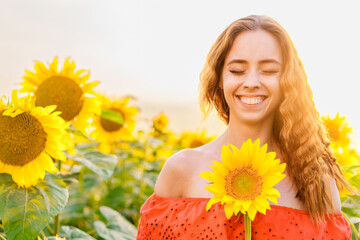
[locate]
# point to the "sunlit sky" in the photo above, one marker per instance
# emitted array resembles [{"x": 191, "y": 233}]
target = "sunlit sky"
[{"x": 156, "y": 49}]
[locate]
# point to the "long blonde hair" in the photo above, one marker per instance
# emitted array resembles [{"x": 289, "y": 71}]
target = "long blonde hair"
[{"x": 297, "y": 126}]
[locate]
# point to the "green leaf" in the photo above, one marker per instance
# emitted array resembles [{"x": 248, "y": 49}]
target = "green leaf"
[
  {"x": 112, "y": 116},
  {"x": 69, "y": 178},
  {"x": 86, "y": 146},
  {"x": 26, "y": 212},
  {"x": 350, "y": 168},
  {"x": 100, "y": 163},
  {"x": 6, "y": 184},
  {"x": 76, "y": 204},
  {"x": 355, "y": 197},
  {"x": 355, "y": 181},
  {"x": 108, "y": 234},
  {"x": 77, "y": 132},
  {"x": 56, "y": 191},
  {"x": 354, "y": 220},
  {"x": 73, "y": 233},
  {"x": 352, "y": 209},
  {"x": 118, "y": 223}
]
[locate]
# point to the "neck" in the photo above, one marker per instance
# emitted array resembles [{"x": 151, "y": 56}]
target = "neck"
[{"x": 237, "y": 133}]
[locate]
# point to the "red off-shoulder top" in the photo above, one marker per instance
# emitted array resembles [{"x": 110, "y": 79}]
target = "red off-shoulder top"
[{"x": 187, "y": 218}]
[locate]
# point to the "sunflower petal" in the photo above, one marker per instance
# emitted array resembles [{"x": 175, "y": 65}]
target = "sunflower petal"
[
  {"x": 212, "y": 201},
  {"x": 252, "y": 212},
  {"x": 54, "y": 66},
  {"x": 227, "y": 158},
  {"x": 228, "y": 210},
  {"x": 219, "y": 168},
  {"x": 214, "y": 189},
  {"x": 207, "y": 175},
  {"x": 89, "y": 86}
]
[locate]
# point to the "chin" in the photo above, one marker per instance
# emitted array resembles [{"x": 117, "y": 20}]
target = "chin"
[{"x": 252, "y": 118}]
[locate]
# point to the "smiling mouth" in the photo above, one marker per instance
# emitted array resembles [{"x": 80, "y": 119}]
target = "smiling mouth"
[{"x": 251, "y": 100}]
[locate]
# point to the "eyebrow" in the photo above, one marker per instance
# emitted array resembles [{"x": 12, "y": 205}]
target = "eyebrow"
[{"x": 261, "y": 62}]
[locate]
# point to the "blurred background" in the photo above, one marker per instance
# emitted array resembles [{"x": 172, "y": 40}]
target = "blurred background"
[{"x": 155, "y": 50}]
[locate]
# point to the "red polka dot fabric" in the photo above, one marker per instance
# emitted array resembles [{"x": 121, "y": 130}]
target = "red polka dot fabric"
[{"x": 187, "y": 218}]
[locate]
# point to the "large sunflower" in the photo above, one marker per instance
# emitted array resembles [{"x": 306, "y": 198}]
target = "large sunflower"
[
  {"x": 67, "y": 89},
  {"x": 106, "y": 131},
  {"x": 245, "y": 179},
  {"x": 29, "y": 138},
  {"x": 194, "y": 139},
  {"x": 338, "y": 128}
]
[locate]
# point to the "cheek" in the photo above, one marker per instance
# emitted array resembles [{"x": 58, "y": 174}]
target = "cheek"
[
  {"x": 229, "y": 83},
  {"x": 229, "y": 90},
  {"x": 276, "y": 91}
]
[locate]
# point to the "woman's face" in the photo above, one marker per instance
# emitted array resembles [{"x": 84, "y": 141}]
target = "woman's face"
[{"x": 251, "y": 77}]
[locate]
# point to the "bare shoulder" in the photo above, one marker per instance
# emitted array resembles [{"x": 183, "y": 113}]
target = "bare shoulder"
[
  {"x": 175, "y": 173},
  {"x": 334, "y": 195}
]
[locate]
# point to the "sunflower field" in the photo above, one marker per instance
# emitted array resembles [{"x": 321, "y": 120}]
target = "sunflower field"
[{"x": 73, "y": 164}]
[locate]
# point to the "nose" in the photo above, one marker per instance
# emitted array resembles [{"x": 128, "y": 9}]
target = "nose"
[{"x": 252, "y": 80}]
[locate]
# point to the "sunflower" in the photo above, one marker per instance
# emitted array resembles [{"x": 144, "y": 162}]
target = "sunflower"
[
  {"x": 159, "y": 126},
  {"x": 346, "y": 156},
  {"x": 29, "y": 138},
  {"x": 193, "y": 139},
  {"x": 160, "y": 122},
  {"x": 108, "y": 132},
  {"x": 67, "y": 89},
  {"x": 338, "y": 129},
  {"x": 245, "y": 179},
  {"x": 160, "y": 131}
]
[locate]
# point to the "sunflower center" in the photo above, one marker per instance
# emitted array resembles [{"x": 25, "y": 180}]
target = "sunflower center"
[
  {"x": 63, "y": 92},
  {"x": 196, "y": 143},
  {"x": 22, "y": 139},
  {"x": 243, "y": 183},
  {"x": 111, "y": 126}
]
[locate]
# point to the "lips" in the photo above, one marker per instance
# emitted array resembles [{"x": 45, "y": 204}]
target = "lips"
[{"x": 251, "y": 100}]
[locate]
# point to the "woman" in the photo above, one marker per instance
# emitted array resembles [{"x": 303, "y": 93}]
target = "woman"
[{"x": 257, "y": 83}]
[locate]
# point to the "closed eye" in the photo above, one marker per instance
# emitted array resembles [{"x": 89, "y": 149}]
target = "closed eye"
[
  {"x": 237, "y": 72},
  {"x": 270, "y": 72}
]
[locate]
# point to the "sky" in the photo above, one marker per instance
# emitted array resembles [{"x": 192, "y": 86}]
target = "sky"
[{"x": 155, "y": 50}]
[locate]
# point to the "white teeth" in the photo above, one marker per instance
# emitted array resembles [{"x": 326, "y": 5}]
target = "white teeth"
[{"x": 252, "y": 100}]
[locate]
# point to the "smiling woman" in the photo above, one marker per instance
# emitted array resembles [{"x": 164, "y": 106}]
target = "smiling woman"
[
  {"x": 286, "y": 119},
  {"x": 251, "y": 77},
  {"x": 257, "y": 83}
]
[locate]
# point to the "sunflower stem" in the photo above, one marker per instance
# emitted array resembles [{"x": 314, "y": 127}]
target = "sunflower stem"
[
  {"x": 57, "y": 217},
  {"x": 352, "y": 226},
  {"x": 42, "y": 234},
  {"x": 50, "y": 230},
  {"x": 56, "y": 224},
  {"x": 142, "y": 168},
  {"x": 91, "y": 232},
  {"x": 247, "y": 221},
  {"x": 59, "y": 165}
]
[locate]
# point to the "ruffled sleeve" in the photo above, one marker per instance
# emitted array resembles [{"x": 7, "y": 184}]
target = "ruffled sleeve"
[
  {"x": 169, "y": 217},
  {"x": 187, "y": 218}
]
